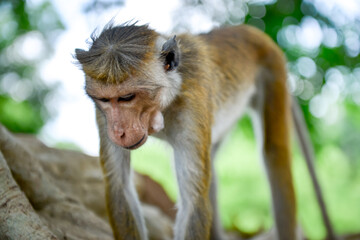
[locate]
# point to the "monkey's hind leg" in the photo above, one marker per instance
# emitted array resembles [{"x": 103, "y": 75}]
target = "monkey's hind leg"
[{"x": 271, "y": 122}]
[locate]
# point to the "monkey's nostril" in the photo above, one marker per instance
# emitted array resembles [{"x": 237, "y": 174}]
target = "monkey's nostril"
[{"x": 122, "y": 134}]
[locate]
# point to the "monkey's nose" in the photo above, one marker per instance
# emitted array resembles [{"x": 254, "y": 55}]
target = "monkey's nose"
[{"x": 119, "y": 131}]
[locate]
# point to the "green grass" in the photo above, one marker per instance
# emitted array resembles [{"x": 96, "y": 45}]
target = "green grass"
[{"x": 244, "y": 196}]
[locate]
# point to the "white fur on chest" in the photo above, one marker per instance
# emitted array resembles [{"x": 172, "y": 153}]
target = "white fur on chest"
[{"x": 229, "y": 113}]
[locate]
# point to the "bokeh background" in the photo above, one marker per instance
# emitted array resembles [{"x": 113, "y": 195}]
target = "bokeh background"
[{"x": 41, "y": 92}]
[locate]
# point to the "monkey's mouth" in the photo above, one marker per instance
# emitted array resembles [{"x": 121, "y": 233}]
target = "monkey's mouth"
[{"x": 138, "y": 144}]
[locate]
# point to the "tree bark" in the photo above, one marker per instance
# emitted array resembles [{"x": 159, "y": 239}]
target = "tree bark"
[
  {"x": 18, "y": 219},
  {"x": 47, "y": 193}
]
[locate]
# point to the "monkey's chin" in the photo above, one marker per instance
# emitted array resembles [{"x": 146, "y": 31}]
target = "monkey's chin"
[{"x": 138, "y": 144}]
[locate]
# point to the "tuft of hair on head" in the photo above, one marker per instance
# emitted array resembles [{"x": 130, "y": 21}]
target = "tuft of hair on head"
[{"x": 117, "y": 52}]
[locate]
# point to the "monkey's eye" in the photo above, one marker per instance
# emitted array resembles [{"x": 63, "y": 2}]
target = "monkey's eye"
[
  {"x": 104, "y": 99},
  {"x": 126, "y": 98}
]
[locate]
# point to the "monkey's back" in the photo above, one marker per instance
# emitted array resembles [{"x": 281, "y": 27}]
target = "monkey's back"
[
  {"x": 238, "y": 50},
  {"x": 239, "y": 55}
]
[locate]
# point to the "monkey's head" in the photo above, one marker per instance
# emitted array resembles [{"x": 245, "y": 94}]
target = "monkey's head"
[{"x": 131, "y": 76}]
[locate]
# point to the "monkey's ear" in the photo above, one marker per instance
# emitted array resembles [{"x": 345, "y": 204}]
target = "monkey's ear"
[
  {"x": 170, "y": 54},
  {"x": 79, "y": 53}
]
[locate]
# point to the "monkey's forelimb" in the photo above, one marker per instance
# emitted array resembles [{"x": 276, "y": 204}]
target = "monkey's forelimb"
[{"x": 123, "y": 205}]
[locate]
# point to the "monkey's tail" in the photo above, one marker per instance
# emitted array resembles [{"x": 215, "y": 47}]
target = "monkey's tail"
[{"x": 308, "y": 153}]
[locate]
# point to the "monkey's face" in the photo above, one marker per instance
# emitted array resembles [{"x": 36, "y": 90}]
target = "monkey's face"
[
  {"x": 131, "y": 113},
  {"x": 131, "y": 76}
]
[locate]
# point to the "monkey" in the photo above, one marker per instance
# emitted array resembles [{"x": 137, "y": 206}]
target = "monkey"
[{"x": 188, "y": 90}]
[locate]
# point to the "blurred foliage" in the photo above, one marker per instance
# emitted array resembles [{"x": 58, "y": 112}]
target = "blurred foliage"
[{"x": 27, "y": 36}]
